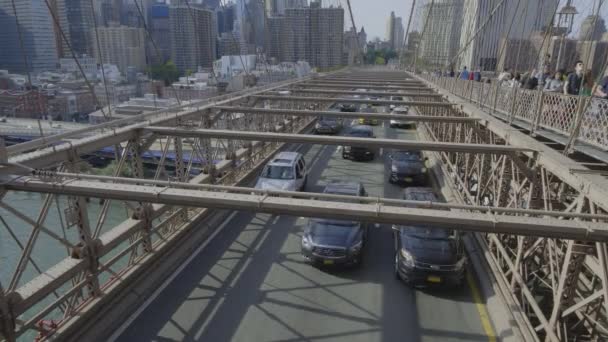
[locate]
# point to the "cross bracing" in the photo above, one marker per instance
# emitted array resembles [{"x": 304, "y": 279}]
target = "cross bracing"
[{"x": 504, "y": 185}]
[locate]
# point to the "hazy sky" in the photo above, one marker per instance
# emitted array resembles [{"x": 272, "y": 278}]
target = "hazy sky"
[{"x": 372, "y": 14}]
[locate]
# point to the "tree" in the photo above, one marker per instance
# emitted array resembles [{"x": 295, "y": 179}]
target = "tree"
[
  {"x": 380, "y": 60},
  {"x": 166, "y": 72}
]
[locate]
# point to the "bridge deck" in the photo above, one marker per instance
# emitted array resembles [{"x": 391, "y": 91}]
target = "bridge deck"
[{"x": 250, "y": 283}]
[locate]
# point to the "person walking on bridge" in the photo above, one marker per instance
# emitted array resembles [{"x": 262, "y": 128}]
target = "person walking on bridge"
[
  {"x": 464, "y": 74},
  {"x": 575, "y": 80}
]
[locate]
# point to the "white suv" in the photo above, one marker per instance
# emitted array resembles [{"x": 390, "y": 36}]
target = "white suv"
[
  {"x": 401, "y": 123},
  {"x": 286, "y": 171}
]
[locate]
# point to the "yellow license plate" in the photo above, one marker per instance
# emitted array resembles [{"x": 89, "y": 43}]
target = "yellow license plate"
[
  {"x": 408, "y": 179},
  {"x": 328, "y": 262},
  {"x": 433, "y": 279}
]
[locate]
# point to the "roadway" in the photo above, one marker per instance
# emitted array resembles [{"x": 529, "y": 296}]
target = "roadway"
[{"x": 249, "y": 283}]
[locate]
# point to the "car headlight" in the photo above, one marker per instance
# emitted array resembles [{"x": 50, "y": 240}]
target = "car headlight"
[
  {"x": 461, "y": 263},
  {"x": 306, "y": 243},
  {"x": 407, "y": 258},
  {"x": 347, "y": 148},
  {"x": 423, "y": 170},
  {"x": 318, "y": 125},
  {"x": 356, "y": 248},
  {"x": 394, "y": 168}
]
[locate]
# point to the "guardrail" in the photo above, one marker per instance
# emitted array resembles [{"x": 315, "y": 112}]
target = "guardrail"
[{"x": 578, "y": 118}]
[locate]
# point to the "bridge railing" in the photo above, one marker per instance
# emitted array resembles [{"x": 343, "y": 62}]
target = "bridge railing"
[{"x": 577, "y": 118}]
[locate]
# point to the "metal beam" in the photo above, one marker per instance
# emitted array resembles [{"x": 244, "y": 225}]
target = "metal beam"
[
  {"x": 351, "y": 100},
  {"x": 355, "y": 86},
  {"x": 465, "y": 221},
  {"x": 336, "y": 140},
  {"x": 352, "y": 92},
  {"x": 356, "y": 115}
]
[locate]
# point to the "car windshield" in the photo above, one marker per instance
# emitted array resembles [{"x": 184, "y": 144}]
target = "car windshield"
[
  {"x": 405, "y": 156},
  {"x": 278, "y": 172},
  {"x": 426, "y": 232},
  {"x": 360, "y": 133},
  {"x": 330, "y": 226},
  {"x": 327, "y": 119}
]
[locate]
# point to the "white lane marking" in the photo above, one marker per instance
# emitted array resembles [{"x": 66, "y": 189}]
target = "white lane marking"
[{"x": 168, "y": 281}]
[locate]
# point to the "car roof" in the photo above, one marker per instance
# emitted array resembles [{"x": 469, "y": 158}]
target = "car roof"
[
  {"x": 361, "y": 128},
  {"x": 285, "y": 158},
  {"x": 420, "y": 194},
  {"x": 343, "y": 188}
]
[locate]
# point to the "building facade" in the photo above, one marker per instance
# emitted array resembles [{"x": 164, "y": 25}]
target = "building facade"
[
  {"x": 160, "y": 31},
  {"x": 440, "y": 42},
  {"x": 506, "y": 20},
  {"x": 37, "y": 34},
  {"x": 77, "y": 23},
  {"x": 395, "y": 32},
  {"x": 123, "y": 46},
  {"x": 193, "y": 37}
]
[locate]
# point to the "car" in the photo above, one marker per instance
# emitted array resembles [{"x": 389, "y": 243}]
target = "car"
[
  {"x": 328, "y": 125},
  {"x": 348, "y": 107},
  {"x": 359, "y": 152},
  {"x": 400, "y": 123},
  {"x": 332, "y": 241},
  {"x": 408, "y": 167},
  {"x": 365, "y": 120},
  {"x": 395, "y": 98},
  {"x": 427, "y": 255},
  {"x": 286, "y": 171}
]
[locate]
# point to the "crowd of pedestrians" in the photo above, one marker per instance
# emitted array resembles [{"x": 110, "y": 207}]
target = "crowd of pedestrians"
[
  {"x": 577, "y": 82},
  {"x": 557, "y": 111}
]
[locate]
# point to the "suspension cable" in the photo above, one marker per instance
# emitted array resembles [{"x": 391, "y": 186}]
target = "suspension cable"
[{"x": 352, "y": 19}]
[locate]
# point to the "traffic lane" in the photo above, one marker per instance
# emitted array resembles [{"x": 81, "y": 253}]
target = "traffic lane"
[
  {"x": 444, "y": 315},
  {"x": 250, "y": 284}
]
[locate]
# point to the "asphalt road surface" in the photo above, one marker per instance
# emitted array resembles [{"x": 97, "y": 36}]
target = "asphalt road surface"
[{"x": 250, "y": 282}]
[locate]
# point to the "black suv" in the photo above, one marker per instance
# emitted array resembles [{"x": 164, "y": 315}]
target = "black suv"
[
  {"x": 359, "y": 152},
  {"x": 425, "y": 255},
  {"x": 328, "y": 125},
  {"x": 333, "y": 242},
  {"x": 348, "y": 107},
  {"x": 408, "y": 167}
]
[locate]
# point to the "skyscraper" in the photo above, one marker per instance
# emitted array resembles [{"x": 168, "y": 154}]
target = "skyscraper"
[
  {"x": 440, "y": 42},
  {"x": 76, "y": 21},
  {"x": 160, "y": 32},
  {"x": 193, "y": 37},
  {"x": 123, "y": 46},
  {"x": 395, "y": 31},
  {"x": 518, "y": 21},
  {"x": 37, "y": 33},
  {"x": 326, "y": 35}
]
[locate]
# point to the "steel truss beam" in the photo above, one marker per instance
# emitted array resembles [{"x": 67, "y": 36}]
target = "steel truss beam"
[
  {"x": 308, "y": 207},
  {"x": 561, "y": 285},
  {"x": 379, "y": 116},
  {"x": 350, "y": 100},
  {"x": 336, "y": 140},
  {"x": 351, "y": 92},
  {"x": 319, "y": 84}
]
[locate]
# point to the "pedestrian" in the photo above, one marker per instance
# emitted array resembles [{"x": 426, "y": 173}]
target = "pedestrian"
[
  {"x": 574, "y": 80},
  {"x": 464, "y": 74},
  {"x": 602, "y": 89},
  {"x": 515, "y": 80},
  {"x": 554, "y": 84},
  {"x": 587, "y": 84},
  {"x": 477, "y": 76},
  {"x": 531, "y": 82},
  {"x": 452, "y": 73},
  {"x": 471, "y": 76},
  {"x": 543, "y": 75},
  {"x": 505, "y": 75}
]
